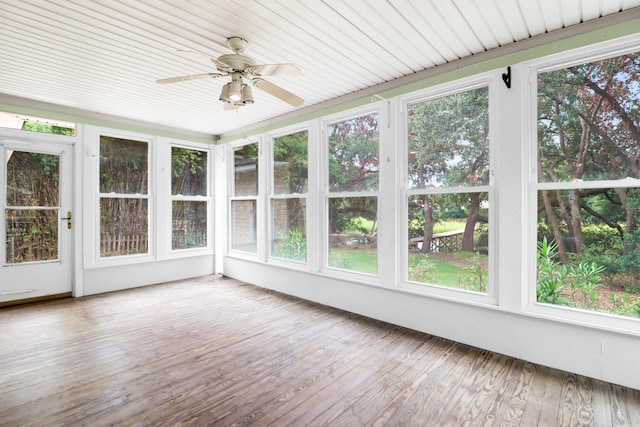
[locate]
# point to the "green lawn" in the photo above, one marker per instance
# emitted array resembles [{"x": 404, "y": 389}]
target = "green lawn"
[
  {"x": 472, "y": 274},
  {"x": 361, "y": 260}
]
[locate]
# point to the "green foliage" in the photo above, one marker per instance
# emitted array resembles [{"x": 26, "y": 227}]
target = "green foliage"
[
  {"x": 461, "y": 270},
  {"x": 551, "y": 275},
  {"x": 618, "y": 303},
  {"x": 292, "y": 245},
  {"x": 291, "y": 162},
  {"x": 476, "y": 274},
  {"x": 188, "y": 171},
  {"x": 449, "y": 140},
  {"x": 47, "y": 128},
  {"x": 585, "y": 279},
  {"x": 577, "y": 284},
  {"x": 354, "y": 147},
  {"x": 351, "y": 213},
  {"x": 422, "y": 269},
  {"x": 573, "y": 284}
]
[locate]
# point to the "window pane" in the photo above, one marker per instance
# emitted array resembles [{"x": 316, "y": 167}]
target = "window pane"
[
  {"x": 290, "y": 163},
  {"x": 353, "y": 229},
  {"x": 449, "y": 140},
  {"x": 32, "y": 179},
  {"x": 246, "y": 170},
  {"x": 32, "y": 235},
  {"x": 588, "y": 119},
  {"x": 124, "y": 227},
  {"x": 243, "y": 225},
  {"x": 588, "y": 253},
  {"x": 36, "y": 124},
  {"x": 188, "y": 172},
  {"x": 353, "y": 154},
  {"x": 448, "y": 240},
  {"x": 189, "y": 229},
  {"x": 123, "y": 166},
  {"x": 289, "y": 227}
]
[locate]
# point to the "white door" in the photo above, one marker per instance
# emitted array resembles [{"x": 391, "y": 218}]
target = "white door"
[{"x": 36, "y": 220}]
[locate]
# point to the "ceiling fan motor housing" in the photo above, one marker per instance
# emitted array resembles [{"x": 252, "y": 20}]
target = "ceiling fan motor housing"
[
  {"x": 237, "y": 44},
  {"x": 236, "y": 62}
]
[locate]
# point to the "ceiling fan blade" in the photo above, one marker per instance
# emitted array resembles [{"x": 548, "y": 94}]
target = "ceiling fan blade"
[
  {"x": 196, "y": 54},
  {"x": 278, "y": 92},
  {"x": 191, "y": 77},
  {"x": 286, "y": 69}
]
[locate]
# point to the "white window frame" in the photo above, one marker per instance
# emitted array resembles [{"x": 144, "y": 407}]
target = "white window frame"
[
  {"x": 208, "y": 198},
  {"x": 487, "y": 80},
  {"x": 326, "y": 194},
  {"x": 561, "y": 60},
  {"x": 257, "y": 198},
  {"x": 271, "y": 196},
  {"x": 92, "y": 258}
]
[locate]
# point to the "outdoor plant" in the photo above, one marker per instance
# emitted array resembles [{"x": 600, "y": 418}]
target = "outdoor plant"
[
  {"x": 293, "y": 245},
  {"x": 584, "y": 279},
  {"x": 577, "y": 284},
  {"x": 423, "y": 270},
  {"x": 551, "y": 274},
  {"x": 475, "y": 274}
]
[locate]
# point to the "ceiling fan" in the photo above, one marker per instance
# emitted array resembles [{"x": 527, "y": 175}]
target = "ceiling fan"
[{"x": 245, "y": 74}]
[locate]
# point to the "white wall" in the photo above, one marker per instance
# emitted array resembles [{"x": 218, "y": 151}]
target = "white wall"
[
  {"x": 161, "y": 264},
  {"x": 596, "y": 353}
]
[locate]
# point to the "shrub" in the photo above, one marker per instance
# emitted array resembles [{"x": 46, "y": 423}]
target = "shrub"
[{"x": 293, "y": 245}]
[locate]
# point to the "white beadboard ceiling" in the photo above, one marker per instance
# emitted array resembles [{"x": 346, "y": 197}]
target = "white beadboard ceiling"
[{"x": 103, "y": 56}]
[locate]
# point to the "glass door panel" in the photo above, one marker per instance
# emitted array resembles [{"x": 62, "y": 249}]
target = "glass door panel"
[
  {"x": 32, "y": 206},
  {"x": 35, "y": 220}
]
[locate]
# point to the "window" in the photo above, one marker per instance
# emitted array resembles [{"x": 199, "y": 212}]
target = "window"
[
  {"x": 588, "y": 186},
  {"x": 36, "y": 124},
  {"x": 352, "y": 205},
  {"x": 288, "y": 197},
  {"x": 189, "y": 198},
  {"x": 448, "y": 190},
  {"x": 244, "y": 199},
  {"x": 124, "y": 197}
]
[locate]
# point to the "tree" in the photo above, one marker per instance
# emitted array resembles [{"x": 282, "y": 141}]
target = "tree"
[
  {"x": 354, "y": 147},
  {"x": 588, "y": 129},
  {"x": 449, "y": 147}
]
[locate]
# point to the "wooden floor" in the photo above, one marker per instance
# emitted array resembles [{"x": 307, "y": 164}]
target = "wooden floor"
[{"x": 213, "y": 351}]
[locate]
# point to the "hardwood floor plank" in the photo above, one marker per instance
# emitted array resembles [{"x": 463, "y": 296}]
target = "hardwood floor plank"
[
  {"x": 215, "y": 351},
  {"x": 424, "y": 385},
  {"x": 359, "y": 406},
  {"x": 514, "y": 411}
]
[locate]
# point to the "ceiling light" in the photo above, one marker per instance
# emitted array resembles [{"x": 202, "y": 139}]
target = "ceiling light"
[
  {"x": 247, "y": 94},
  {"x": 224, "y": 95},
  {"x": 235, "y": 88}
]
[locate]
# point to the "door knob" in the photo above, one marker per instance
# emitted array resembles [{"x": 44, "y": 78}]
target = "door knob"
[{"x": 68, "y": 218}]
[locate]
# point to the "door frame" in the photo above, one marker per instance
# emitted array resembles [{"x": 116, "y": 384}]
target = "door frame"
[{"x": 72, "y": 145}]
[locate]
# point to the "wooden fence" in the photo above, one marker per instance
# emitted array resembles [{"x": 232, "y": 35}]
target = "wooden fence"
[
  {"x": 138, "y": 243},
  {"x": 450, "y": 241},
  {"x": 121, "y": 244}
]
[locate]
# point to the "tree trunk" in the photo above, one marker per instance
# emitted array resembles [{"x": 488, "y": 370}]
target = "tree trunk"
[
  {"x": 576, "y": 222},
  {"x": 631, "y": 222},
  {"x": 555, "y": 226},
  {"x": 428, "y": 225},
  {"x": 470, "y": 226}
]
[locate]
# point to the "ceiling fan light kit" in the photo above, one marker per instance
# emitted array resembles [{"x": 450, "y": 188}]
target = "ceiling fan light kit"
[
  {"x": 235, "y": 88},
  {"x": 247, "y": 94},
  {"x": 245, "y": 73}
]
